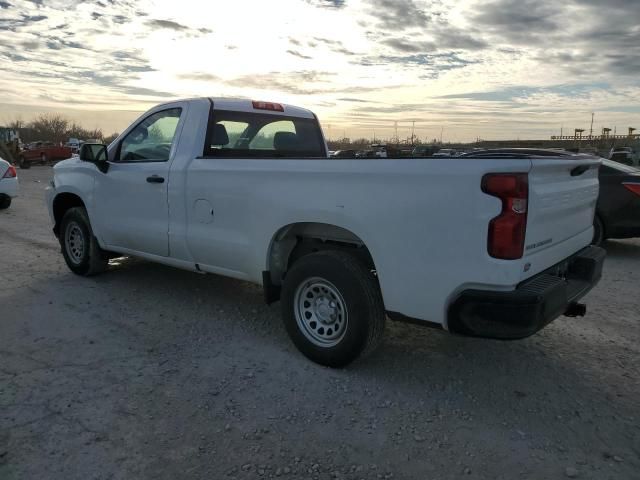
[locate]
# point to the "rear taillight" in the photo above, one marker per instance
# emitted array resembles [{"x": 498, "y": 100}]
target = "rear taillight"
[
  {"x": 11, "y": 173},
  {"x": 633, "y": 187},
  {"x": 507, "y": 230}
]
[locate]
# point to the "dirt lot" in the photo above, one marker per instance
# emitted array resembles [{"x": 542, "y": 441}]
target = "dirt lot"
[{"x": 152, "y": 372}]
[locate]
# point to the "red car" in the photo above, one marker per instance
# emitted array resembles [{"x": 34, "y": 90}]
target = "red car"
[{"x": 43, "y": 152}]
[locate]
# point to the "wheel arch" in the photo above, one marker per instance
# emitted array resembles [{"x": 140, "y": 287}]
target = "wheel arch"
[
  {"x": 295, "y": 240},
  {"x": 600, "y": 217},
  {"x": 61, "y": 204}
]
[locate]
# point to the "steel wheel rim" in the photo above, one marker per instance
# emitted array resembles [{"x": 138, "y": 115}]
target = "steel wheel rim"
[
  {"x": 320, "y": 312},
  {"x": 74, "y": 242}
]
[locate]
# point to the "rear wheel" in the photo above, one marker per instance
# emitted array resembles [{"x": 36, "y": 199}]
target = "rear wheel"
[
  {"x": 79, "y": 246},
  {"x": 24, "y": 163},
  {"x": 332, "y": 308},
  {"x": 5, "y": 201},
  {"x": 43, "y": 158},
  {"x": 598, "y": 231}
]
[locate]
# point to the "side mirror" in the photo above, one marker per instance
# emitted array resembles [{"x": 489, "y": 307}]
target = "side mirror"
[{"x": 95, "y": 153}]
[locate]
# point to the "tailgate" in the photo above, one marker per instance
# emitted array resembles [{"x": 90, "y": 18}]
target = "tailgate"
[{"x": 562, "y": 199}]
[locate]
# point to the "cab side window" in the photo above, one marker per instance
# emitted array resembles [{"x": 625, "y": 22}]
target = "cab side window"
[{"x": 151, "y": 140}]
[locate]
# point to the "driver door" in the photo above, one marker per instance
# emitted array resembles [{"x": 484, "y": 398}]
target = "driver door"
[{"x": 131, "y": 197}]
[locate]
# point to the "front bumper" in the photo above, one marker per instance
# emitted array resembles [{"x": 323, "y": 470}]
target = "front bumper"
[{"x": 532, "y": 305}]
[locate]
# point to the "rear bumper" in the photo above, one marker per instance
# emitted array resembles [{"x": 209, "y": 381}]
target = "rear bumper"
[
  {"x": 532, "y": 305},
  {"x": 9, "y": 186}
]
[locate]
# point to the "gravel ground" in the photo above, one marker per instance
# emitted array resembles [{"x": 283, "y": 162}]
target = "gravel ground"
[{"x": 152, "y": 372}]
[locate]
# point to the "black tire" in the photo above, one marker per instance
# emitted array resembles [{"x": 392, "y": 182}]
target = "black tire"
[
  {"x": 43, "y": 158},
  {"x": 362, "y": 326},
  {"x": 598, "y": 231},
  {"x": 24, "y": 163},
  {"x": 81, "y": 252},
  {"x": 5, "y": 201}
]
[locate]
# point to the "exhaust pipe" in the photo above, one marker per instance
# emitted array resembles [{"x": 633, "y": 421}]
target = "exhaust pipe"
[{"x": 576, "y": 310}]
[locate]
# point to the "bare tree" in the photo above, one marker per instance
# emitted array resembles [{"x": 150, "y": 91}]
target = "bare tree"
[
  {"x": 16, "y": 124},
  {"x": 108, "y": 139},
  {"x": 50, "y": 126}
]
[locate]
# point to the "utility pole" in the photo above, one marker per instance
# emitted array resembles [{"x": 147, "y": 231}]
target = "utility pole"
[
  {"x": 413, "y": 129},
  {"x": 395, "y": 126},
  {"x": 591, "y": 130}
]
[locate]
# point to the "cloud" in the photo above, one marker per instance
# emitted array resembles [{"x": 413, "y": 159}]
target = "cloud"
[
  {"x": 399, "y": 15},
  {"x": 166, "y": 24},
  {"x": 335, "y": 46},
  {"x": 298, "y": 54},
  {"x": 431, "y": 65},
  {"x": 327, "y": 3},
  {"x": 521, "y": 20},
  {"x": 354, "y": 100},
  {"x": 408, "y": 46},
  {"x": 200, "y": 77},
  {"x": 14, "y": 24},
  {"x": 304, "y": 82},
  {"x": 161, "y": 24},
  {"x": 474, "y": 62},
  {"x": 600, "y": 40}
]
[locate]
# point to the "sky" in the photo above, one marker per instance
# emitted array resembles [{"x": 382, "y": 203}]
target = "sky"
[{"x": 467, "y": 69}]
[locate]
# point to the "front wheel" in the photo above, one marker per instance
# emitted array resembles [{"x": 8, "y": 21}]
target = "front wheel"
[
  {"x": 79, "y": 246},
  {"x": 24, "y": 163},
  {"x": 332, "y": 308},
  {"x": 43, "y": 159}
]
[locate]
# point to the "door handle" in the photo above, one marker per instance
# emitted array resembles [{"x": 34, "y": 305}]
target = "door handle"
[
  {"x": 155, "y": 179},
  {"x": 579, "y": 170}
]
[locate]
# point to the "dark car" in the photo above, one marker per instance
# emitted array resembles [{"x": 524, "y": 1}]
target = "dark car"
[
  {"x": 618, "y": 208},
  {"x": 344, "y": 154}
]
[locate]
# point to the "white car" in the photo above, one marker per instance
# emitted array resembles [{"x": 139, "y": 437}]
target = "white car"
[
  {"x": 8, "y": 183},
  {"x": 494, "y": 244},
  {"x": 445, "y": 153}
]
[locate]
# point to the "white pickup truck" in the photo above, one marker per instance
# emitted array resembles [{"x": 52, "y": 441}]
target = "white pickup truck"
[{"x": 493, "y": 244}]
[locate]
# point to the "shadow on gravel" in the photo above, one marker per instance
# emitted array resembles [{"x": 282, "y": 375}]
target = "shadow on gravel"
[
  {"x": 166, "y": 370},
  {"x": 621, "y": 249}
]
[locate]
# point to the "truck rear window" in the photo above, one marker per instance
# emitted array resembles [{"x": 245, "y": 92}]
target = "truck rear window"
[{"x": 251, "y": 135}]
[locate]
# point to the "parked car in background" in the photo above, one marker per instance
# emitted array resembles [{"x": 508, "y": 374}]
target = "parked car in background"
[
  {"x": 365, "y": 154},
  {"x": 343, "y": 154},
  {"x": 74, "y": 144},
  {"x": 424, "y": 151},
  {"x": 8, "y": 183},
  {"x": 445, "y": 153},
  {"x": 625, "y": 155},
  {"x": 379, "y": 150},
  {"x": 43, "y": 152},
  {"x": 618, "y": 208}
]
